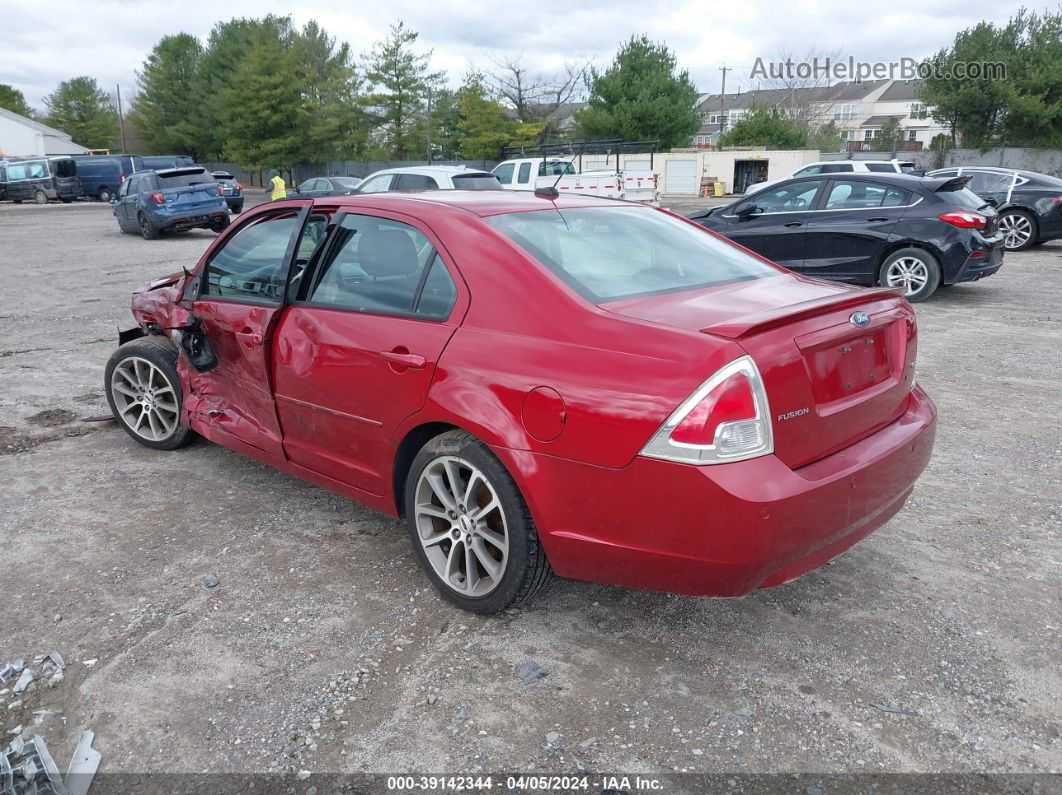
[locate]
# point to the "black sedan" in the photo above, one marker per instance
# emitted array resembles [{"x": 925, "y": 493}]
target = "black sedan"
[
  {"x": 889, "y": 229},
  {"x": 1029, "y": 204},
  {"x": 328, "y": 186}
]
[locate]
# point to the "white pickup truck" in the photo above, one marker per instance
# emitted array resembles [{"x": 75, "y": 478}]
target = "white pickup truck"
[{"x": 529, "y": 173}]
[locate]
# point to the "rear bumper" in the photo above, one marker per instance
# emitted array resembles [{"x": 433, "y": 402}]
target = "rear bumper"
[
  {"x": 192, "y": 219},
  {"x": 722, "y": 530},
  {"x": 978, "y": 267}
]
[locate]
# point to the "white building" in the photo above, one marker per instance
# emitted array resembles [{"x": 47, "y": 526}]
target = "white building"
[{"x": 22, "y": 137}]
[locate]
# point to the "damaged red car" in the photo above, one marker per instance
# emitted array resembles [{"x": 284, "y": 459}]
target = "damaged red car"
[{"x": 540, "y": 385}]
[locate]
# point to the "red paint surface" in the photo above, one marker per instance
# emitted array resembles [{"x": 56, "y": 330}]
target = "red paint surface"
[{"x": 567, "y": 393}]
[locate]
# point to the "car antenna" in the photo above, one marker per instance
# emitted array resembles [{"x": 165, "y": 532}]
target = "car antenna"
[{"x": 551, "y": 192}]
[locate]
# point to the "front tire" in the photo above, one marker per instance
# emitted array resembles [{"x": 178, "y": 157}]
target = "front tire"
[
  {"x": 913, "y": 269},
  {"x": 471, "y": 528},
  {"x": 144, "y": 393},
  {"x": 1019, "y": 230},
  {"x": 40, "y": 197}
]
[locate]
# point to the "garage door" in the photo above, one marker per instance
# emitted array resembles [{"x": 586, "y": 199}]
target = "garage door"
[{"x": 680, "y": 176}]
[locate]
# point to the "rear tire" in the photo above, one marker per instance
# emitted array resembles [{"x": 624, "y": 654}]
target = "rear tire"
[
  {"x": 475, "y": 538},
  {"x": 915, "y": 270},
  {"x": 219, "y": 225},
  {"x": 147, "y": 230},
  {"x": 104, "y": 194},
  {"x": 1019, "y": 230},
  {"x": 144, "y": 393},
  {"x": 40, "y": 197}
]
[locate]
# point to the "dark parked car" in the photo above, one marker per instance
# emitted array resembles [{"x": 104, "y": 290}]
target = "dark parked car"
[
  {"x": 231, "y": 189},
  {"x": 894, "y": 230},
  {"x": 328, "y": 186},
  {"x": 1029, "y": 204},
  {"x": 39, "y": 179},
  {"x": 3, "y": 181},
  {"x": 170, "y": 200},
  {"x": 100, "y": 177}
]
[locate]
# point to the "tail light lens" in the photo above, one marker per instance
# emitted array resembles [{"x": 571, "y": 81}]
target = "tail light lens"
[
  {"x": 158, "y": 198},
  {"x": 121, "y": 178},
  {"x": 726, "y": 419},
  {"x": 239, "y": 187},
  {"x": 964, "y": 220}
]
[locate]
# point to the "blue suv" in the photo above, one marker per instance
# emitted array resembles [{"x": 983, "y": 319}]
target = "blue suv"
[{"x": 170, "y": 200}]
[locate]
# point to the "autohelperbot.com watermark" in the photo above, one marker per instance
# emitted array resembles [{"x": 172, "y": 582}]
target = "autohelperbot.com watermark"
[{"x": 828, "y": 68}]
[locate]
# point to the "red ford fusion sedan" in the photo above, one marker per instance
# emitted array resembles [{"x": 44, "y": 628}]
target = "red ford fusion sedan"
[{"x": 540, "y": 385}]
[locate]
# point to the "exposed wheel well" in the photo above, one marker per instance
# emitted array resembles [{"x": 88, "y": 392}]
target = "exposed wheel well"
[{"x": 407, "y": 451}]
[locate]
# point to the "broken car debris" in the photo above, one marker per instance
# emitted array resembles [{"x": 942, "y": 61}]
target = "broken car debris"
[{"x": 26, "y": 765}]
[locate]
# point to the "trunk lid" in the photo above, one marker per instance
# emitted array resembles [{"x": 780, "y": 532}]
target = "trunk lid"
[
  {"x": 191, "y": 197},
  {"x": 837, "y": 361}
]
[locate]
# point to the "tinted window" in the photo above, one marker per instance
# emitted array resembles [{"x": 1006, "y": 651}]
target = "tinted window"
[
  {"x": 837, "y": 168},
  {"x": 381, "y": 266},
  {"x": 962, "y": 197},
  {"x": 376, "y": 184},
  {"x": 525, "y": 173},
  {"x": 791, "y": 198},
  {"x": 989, "y": 181},
  {"x": 416, "y": 182},
  {"x": 881, "y": 168},
  {"x": 64, "y": 168},
  {"x": 608, "y": 253},
  {"x": 504, "y": 172},
  {"x": 475, "y": 182},
  {"x": 251, "y": 263},
  {"x": 845, "y": 195},
  {"x": 807, "y": 171}
]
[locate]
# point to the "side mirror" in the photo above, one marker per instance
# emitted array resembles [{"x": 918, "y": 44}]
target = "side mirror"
[
  {"x": 993, "y": 202},
  {"x": 747, "y": 210}
]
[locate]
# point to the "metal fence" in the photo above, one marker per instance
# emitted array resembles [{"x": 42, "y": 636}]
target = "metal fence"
[{"x": 339, "y": 168}]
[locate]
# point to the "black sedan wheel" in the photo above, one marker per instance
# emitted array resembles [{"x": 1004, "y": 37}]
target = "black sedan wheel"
[
  {"x": 147, "y": 230},
  {"x": 913, "y": 269},
  {"x": 1018, "y": 228}
]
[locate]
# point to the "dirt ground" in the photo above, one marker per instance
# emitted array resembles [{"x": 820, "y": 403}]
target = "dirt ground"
[{"x": 934, "y": 645}]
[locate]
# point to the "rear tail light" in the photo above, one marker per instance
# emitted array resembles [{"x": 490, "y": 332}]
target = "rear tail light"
[
  {"x": 964, "y": 220},
  {"x": 158, "y": 198},
  {"x": 726, "y": 419},
  {"x": 121, "y": 178},
  {"x": 239, "y": 187}
]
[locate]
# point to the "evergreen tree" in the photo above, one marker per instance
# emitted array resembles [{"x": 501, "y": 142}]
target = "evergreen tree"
[
  {"x": 14, "y": 100},
  {"x": 401, "y": 78},
  {"x": 167, "y": 114},
  {"x": 84, "y": 111},
  {"x": 766, "y": 127},
  {"x": 485, "y": 127},
  {"x": 641, "y": 96}
]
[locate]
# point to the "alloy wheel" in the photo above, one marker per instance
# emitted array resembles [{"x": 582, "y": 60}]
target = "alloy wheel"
[
  {"x": 145, "y": 399},
  {"x": 910, "y": 273},
  {"x": 461, "y": 526},
  {"x": 1016, "y": 229}
]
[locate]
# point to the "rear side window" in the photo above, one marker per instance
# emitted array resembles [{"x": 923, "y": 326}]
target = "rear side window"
[
  {"x": 962, "y": 197},
  {"x": 989, "y": 181},
  {"x": 881, "y": 168},
  {"x": 525, "y": 173},
  {"x": 250, "y": 265},
  {"x": 475, "y": 182},
  {"x": 807, "y": 171},
  {"x": 837, "y": 168},
  {"x": 853, "y": 195},
  {"x": 65, "y": 168},
  {"x": 555, "y": 168},
  {"x": 416, "y": 182},
  {"x": 609, "y": 253},
  {"x": 383, "y": 267}
]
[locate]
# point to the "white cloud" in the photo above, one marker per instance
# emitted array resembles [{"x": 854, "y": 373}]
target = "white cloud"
[{"x": 54, "y": 40}]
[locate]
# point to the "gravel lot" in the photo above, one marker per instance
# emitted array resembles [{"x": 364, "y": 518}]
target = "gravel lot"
[{"x": 323, "y": 647}]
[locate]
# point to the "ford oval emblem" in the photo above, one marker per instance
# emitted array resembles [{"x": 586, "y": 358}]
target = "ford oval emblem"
[{"x": 860, "y": 319}]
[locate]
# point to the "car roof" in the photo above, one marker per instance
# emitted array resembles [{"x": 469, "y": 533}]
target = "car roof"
[
  {"x": 831, "y": 162},
  {"x": 479, "y": 202},
  {"x": 431, "y": 170},
  {"x": 887, "y": 177}
]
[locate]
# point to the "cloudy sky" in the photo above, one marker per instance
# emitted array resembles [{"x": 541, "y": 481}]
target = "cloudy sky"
[{"x": 45, "y": 41}]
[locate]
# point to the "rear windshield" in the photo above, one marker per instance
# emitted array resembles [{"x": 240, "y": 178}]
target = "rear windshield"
[
  {"x": 609, "y": 253},
  {"x": 476, "y": 182},
  {"x": 963, "y": 197},
  {"x": 182, "y": 179}
]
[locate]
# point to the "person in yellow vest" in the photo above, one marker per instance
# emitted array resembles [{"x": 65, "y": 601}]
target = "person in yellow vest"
[{"x": 278, "y": 190}]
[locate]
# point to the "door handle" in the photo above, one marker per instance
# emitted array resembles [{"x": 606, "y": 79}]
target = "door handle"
[
  {"x": 878, "y": 218},
  {"x": 403, "y": 358},
  {"x": 249, "y": 337},
  {"x": 791, "y": 224}
]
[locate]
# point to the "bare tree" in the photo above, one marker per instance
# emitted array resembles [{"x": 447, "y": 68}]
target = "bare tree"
[
  {"x": 802, "y": 87},
  {"x": 534, "y": 97}
]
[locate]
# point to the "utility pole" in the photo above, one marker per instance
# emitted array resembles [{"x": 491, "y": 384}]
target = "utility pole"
[
  {"x": 429, "y": 125},
  {"x": 121, "y": 118},
  {"x": 722, "y": 102}
]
